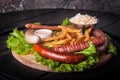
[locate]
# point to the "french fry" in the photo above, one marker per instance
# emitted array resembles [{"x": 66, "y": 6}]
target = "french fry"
[
  {"x": 48, "y": 39},
  {"x": 80, "y": 39},
  {"x": 55, "y": 37},
  {"x": 87, "y": 34},
  {"x": 67, "y": 36},
  {"x": 72, "y": 41},
  {"x": 67, "y": 29},
  {"x": 71, "y": 30},
  {"x": 53, "y": 43},
  {"x": 73, "y": 34}
]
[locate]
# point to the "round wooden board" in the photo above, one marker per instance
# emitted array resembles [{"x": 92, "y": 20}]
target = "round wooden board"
[{"x": 29, "y": 61}]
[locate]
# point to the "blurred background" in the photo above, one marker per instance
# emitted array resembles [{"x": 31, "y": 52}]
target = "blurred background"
[{"x": 112, "y": 6}]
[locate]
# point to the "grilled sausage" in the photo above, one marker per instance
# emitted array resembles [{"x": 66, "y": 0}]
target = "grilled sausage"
[
  {"x": 37, "y": 26},
  {"x": 97, "y": 41},
  {"x": 103, "y": 47},
  {"x": 60, "y": 57}
]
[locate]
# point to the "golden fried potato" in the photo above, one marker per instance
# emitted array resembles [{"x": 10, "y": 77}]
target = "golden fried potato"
[
  {"x": 54, "y": 43},
  {"x": 67, "y": 36},
  {"x": 87, "y": 34}
]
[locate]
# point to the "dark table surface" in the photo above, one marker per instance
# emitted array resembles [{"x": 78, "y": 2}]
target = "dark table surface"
[{"x": 11, "y": 69}]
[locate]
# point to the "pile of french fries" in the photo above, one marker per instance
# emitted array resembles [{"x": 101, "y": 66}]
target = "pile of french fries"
[{"x": 66, "y": 36}]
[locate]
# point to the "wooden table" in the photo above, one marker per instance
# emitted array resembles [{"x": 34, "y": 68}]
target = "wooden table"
[{"x": 13, "y": 70}]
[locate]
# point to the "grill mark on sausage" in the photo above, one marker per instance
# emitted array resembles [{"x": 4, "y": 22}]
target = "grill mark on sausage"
[
  {"x": 60, "y": 57},
  {"x": 97, "y": 41}
]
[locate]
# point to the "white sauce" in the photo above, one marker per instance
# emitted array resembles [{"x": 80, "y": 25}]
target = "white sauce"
[{"x": 43, "y": 33}]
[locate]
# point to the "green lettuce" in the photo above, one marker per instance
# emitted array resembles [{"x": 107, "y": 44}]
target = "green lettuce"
[
  {"x": 65, "y": 22},
  {"x": 16, "y": 42},
  {"x": 37, "y": 23},
  {"x": 112, "y": 49},
  {"x": 90, "y": 51}
]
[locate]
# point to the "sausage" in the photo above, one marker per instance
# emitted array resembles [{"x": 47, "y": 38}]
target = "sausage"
[
  {"x": 72, "y": 48},
  {"x": 103, "y": 47},
  {"x": 78, "y": 46},
  {"x": 60, "y": 57},
  {"x": 37, "y": 26},
  {"x": 97, "y": 41},
  {"x": 31, "y": 38}
]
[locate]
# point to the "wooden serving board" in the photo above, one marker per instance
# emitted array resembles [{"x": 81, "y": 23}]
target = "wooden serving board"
[{"x": 29, "y": 60}]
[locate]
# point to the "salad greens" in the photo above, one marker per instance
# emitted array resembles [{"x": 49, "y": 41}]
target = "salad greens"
[
  {"x": 89, "y": 51},
  {"x": 16, "y": 42},
  {"x": 65, "y": 22},
  {"x": 112, "y": 49},
  {"x": 37, "y": 23}
]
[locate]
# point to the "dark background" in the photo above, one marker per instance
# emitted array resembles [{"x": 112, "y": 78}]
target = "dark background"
[{"x": 98, "y": 5}]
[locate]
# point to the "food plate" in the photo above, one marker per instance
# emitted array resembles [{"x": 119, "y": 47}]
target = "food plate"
[
  {"x": 64, "y": 47},
  {"x": 29, "y": 61}
]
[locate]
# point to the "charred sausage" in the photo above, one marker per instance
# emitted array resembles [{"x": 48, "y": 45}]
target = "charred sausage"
[
  {"x": 103, "y": 47},
  {"x": 60, "y": 57},
  {"x": 78, "y": 46},
  {"x": 72, "y": 48},
  {"x": 97, "y": 41}
]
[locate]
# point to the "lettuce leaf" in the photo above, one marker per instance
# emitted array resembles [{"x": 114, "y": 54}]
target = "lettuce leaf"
[
  {"x": 16, "y": 42},
  {"x": 37, "y": 23},
  {"x": 65, "y": 22},
  {"x": 90, "y": 51},
  {"x": 112, "y": 49}
]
